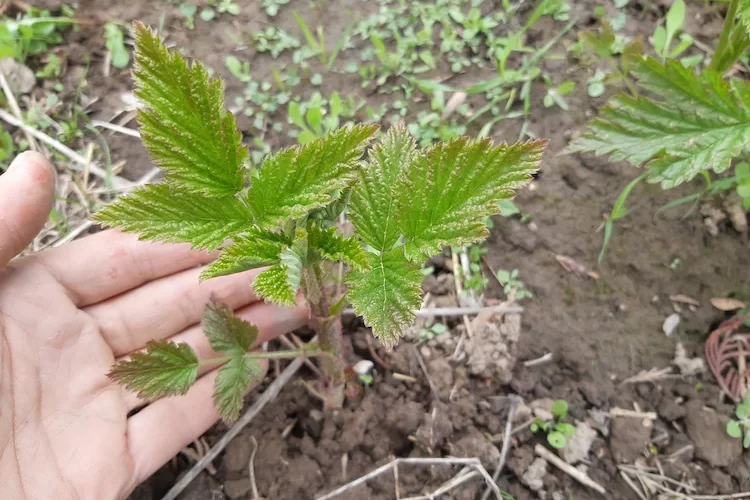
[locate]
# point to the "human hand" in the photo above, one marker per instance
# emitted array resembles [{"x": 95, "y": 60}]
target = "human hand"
[{"x": 66, "y": 315}]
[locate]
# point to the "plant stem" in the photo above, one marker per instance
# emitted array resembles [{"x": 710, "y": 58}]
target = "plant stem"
[
  {"x": 308, "y": 351},
  {"x": 328, "y": 328},
  {"x": 725, "y": 33}
]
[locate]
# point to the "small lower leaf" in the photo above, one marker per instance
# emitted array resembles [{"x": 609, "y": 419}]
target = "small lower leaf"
[
  {"x": 163, "y": 369},
  {"x": 232, "y": 381},
  {"x": 227, "y": 333}
]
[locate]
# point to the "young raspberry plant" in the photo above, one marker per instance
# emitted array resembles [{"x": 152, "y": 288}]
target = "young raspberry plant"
[{"x": 404, "y": 203}]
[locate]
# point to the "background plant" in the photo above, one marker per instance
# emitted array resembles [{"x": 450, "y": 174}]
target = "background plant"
[
  {"x": 558, "y": 432},
  {"x": 741, "y": 427},
  {"x": 691, "y": 122},
  {"x": 405, "y": 204}
]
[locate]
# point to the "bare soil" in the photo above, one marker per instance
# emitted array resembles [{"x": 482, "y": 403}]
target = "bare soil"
[{"x": 599, "y": 332}]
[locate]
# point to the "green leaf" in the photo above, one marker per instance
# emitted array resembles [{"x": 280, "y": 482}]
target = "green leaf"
[
  {"x": 567, "y": 430},
  {"x": 232, "y": 382},
  {"x": 746, "y": 441},
  {"x": 743, "y": 410},
  {"x": 273, "y": 285},
  {"x": 158, "y": 212},
  {"x": 332, "y": 246},
  {"x": 446, "y": 194},
  {"x": 743, "y": 12},
  {"x": 184, "y": 126},
  {"x": 556, "y": 440},
  {"x": 255, "y": 249},
  {"x": 163, "y": 369},
  {"x": 298, "y": 179},
  {"x": 372, "y": 208},
  {"x": 387, "y": 295},
  {"x": 733, "y": 429},
  {"x": 115, "y": 42},
  {"x": 227, "y": 333},
  {"x": 294, "y": 258},
  {"x": 560, "y": 408},
  {"x": 699, "y": 123}
]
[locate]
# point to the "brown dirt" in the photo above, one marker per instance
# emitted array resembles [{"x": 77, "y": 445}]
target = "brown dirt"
[{"x": 599, "y": 332}]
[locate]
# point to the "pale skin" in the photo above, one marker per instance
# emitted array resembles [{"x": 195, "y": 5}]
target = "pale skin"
[{"x": 66, "y": 315}]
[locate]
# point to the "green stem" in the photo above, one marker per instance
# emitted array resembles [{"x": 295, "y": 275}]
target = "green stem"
[
  {"x": 725, "y": 33},
  {"x": 328, "y": 328},
  {"x": 308, "y": 351}
]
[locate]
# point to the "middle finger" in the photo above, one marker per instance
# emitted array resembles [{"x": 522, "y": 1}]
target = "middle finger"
[{"x": 161, "y": 308}]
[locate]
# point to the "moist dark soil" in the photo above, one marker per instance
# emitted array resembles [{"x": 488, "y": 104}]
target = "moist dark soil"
[{"x": 600, "y": 332}]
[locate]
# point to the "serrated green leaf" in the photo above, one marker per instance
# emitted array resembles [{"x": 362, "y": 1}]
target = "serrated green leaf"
[
  {"x": 227, "y": 333},
  {"x": 699, "y": 123},
  {"x": 387, "y": 295},
  {"x": 294, "y": 258},
  {"x": 298, "y": 179},
  {"x": 372, "y": 208},
  {"x": 163, "y": 369},
  {"x": 743, "y": 12},
  {"x": 333, "y": 246},
  {"x": 273, "y": 285},
  {"x": 256, "y": 248},
  {"x": 232, "y": 382},
  {"x": 157, "y": 212},
  {"x": 184, "y": 125},
  {"x": 446, "y": 195}
]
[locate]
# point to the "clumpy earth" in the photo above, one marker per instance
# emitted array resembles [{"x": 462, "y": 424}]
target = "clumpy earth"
[{"x": 599, "y": 331}]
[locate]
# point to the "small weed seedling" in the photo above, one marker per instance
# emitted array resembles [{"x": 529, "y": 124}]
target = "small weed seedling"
[
  {"x": 405, "y": 204},
  {"x": 33, "y": 34},
  {"x": 512, "y": 285},
  {"x": 433, "y": 331},
  {"x": 741, "y": 427},
  {"x": 556, "y": 94},
  {"x": 318, "y": 116},
  {"x": 272, "y": 7},
  {"x": 115, "y": 41},
  {"x": 558, "y": 432}
]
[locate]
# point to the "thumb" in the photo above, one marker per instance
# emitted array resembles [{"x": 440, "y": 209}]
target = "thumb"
[{"x": 26, "y": 195}]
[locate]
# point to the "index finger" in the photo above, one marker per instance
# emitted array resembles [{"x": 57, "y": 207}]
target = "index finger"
[{"x": 101, "y": 266}]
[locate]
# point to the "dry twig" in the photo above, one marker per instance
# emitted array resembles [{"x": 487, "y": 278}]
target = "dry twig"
[
  {"x": 251, "y": 469},
  {"x": 514, "y": 402},
  {"x": 13, "y": 103},
  {"x": 82, "y": 163},
  {"x": 568, "y": 469},
  {"x": 473, "y": 463}
]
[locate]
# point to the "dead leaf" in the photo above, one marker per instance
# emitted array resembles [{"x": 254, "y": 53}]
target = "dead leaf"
[
  {"x": 687, "y": 366},
  {"x": 727, "y": 304},
  {"x": 684, "y": 299},
  {"x": 454, "y": 102},
  {"x": 671, "y": 324},
  {"x": 575, "y": 267}
]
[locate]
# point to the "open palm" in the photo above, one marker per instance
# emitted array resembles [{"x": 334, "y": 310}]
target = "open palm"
[{"x": 67, "y": 431}]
